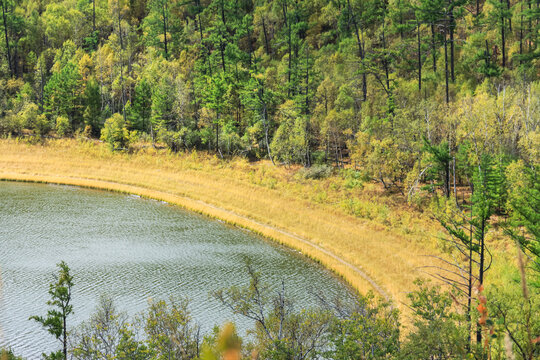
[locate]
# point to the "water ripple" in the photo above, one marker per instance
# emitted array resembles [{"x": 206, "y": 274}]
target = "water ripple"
[{"x": 132, "y": 249}]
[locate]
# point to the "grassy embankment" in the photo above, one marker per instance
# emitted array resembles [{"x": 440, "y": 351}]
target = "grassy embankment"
[{"x": 371, "y": 239}]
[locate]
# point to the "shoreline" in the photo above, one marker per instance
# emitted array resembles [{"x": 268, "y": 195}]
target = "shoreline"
[
  {"x": 283, "y": 237},
  {"x": 380, "y": 252}
]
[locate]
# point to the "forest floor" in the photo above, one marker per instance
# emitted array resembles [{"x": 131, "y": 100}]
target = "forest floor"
[{"x": 371, "y": 238}]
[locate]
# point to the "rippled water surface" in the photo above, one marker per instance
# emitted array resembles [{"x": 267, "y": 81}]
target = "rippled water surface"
[{"x": 132, "y": 249}]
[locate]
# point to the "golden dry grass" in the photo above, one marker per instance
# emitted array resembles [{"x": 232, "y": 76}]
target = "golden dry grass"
[{"x": 307, "y": 215}]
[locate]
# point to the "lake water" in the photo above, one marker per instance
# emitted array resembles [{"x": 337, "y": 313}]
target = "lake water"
[{"x": 133, "y": 250}]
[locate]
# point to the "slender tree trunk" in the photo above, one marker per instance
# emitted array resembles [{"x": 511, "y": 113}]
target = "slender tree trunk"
[
  {"x": 222, "y": 5},
  {"x": 200, "y": 25},
  {"x": 400, "y": 20},
  {"x": 433, "y": 49},
  {"x": 94, "y": 16},
  {"x": 289, "y": 90},
  {"x": 121, "y": 37},
  {"x": 250, "y": 45},
  {"x": 217, "y": 134},
  {"x": 521, "y": 33},
  {"x": 469, "y": 287},
  {"x": 536, "y": 32},
  {"x": 509, "y": 19},
  {"x": 452, "y": 47},
  {"x": 266, "y": 44},
  {"x": 503, "y": 40},
  {"x": 222, "y": 52},
  {"x": 446, "y": 72},
  {"x": 481, "y": 269},
  {"x": 364, "y": 75},
  {"x": 41, "y": 86},
  {"x": 222, "y": 46},
  {"x": 385, "y": 60},
  {"x": 8, "y": 55},
  {"x": 165, "y": 30},
  {"x": 530, "y": 26},
  {"x": 308, "y": 144},
  {"x": 289, "y": 48},
  {"x": 64, "y": 333},
  {"x": 454, "y": 177},
  {"x": 308, "y": 127},
  {"x": 307, "y": 79},
  {"x": 482, "y": 250},
  {"x": 361, "y": 49},
  {"x": 419, "y": 56},
  {"x": 488, "y": 56}
]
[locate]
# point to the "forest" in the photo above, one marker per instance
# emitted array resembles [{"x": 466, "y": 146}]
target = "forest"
[
  {"x": 438, "y": 101},
  {"x": 311, "y": 82}
]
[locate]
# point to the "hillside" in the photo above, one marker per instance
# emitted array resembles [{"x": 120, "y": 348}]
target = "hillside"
[{"x": 389, "y": 140}]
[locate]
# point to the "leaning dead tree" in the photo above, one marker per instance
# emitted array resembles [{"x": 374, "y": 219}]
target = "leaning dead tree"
[{"x": 467, "y": 229}]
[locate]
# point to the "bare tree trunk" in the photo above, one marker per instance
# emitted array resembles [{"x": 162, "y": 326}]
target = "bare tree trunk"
[
  {"x": 250, "y": 45},
  {"x": 41, "y": 86},
  {"x": 481, "y": 270},
  {"x": 64, "y": 333},
  {"x": 385, "y": 60},
  {"x": 510, "y": 19},
  {"x": 469, "y": 287},
  {"x": 217, "y": 135},
  {"x": 361, "y": 50},
  {"x": 521, "y": 33},
  {"x": 266, "y": 44},
  {"x": 446, "y": 68},
  {"x": 307, "y": 79},
  {"x": 454, "y": 176},
  {"x": 4, "y": 17},
  {"x": 433, "y": 50},
  {"x": 289, "y": 49},
  {"x": 121, "y": 37},
  {"x": 503, "y": 40},
  {"x": 452, "y": 28},
  {"x": 94, "y": 16},
  {"x": 419, "y": 57},
  {"x": 165, "y": 30}
]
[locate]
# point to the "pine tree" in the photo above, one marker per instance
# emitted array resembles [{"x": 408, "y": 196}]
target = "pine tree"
[{"x": 56, "y": 320}]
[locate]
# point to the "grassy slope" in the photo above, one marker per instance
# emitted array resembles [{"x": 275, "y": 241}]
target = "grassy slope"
[{"x": 269, "y": 200}]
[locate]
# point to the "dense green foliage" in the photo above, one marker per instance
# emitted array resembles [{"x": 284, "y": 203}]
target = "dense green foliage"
[{"x": 295, "y": 81}]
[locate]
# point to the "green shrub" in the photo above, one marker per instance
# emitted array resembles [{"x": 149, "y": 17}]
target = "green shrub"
[
  {"x": 353, "y": 178},
  {"x": 7, "y": 354},
  {"x": 115, "y": 132},
  {"x": 11, "y": 123},
  {"x": 42, "y": 126},
  {"x": 31, "y": 120},
  {"x": 28, "y": 115},
  {"x": 63, "y": 127}
]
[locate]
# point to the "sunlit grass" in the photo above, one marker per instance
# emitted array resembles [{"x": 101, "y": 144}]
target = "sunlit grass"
[{"x": 340, "y": 226}]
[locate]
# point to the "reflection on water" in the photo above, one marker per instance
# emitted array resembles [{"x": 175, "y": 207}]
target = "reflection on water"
[{"x": 132, "y": 249}]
